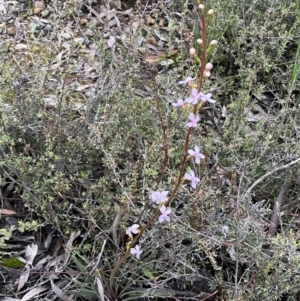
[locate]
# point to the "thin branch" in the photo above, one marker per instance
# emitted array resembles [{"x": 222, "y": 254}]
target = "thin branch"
[
  {"x": 247, "y": 193},
  {"x": 276, "y": 212}
]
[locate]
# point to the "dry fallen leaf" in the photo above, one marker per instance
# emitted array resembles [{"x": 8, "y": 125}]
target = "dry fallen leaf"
[
  {"x": 11, "y": 30},
  {"x": 111, "y": 41},
  {"x": 2, "y": 7},
  {"x": 259, "y": 115},
  {"x": 34, "y": 292},
  {"x": 7, "y": 212},
  {"x": 115, "y": 4},
  {"x": 83, "y": 87},
  {"x": 83, "y": 21},
  {"x": 100, "y": 286},
  {"x": 38, "y": 7},
  {"x": 21, "y": 46},
  {"x": 31, "y": 251},
  {"x": 64, "y": 258},
  {"x": 150, "y": 20},
  {"x": 23, "y": 278},
  {"x": 110, "y": 14},
  {"x": 97, "y": 15},
  {"x": 58, "y": 292},
  {"x": 161, "y": 57},
  {"x": 152, "y": 41}
]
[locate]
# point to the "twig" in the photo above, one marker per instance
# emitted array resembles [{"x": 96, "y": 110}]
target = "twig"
[
  {"x": 96, "y": 15},
  {"x": 247, "y": 193},
  {"x": 276, "y": 212}
]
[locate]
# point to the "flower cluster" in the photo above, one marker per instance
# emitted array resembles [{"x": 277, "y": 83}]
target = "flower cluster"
[
  {"x": 195, "y": 95},
  {"x": 134, "y": 229},
  {"x": 194, "y": 99},
  {"x": 191, "y": 176},
  {"x": 159, "y": 198}
]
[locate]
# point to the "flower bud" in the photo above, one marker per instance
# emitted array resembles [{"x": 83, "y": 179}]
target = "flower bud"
[
  {"x": 207, "y": 73},
  {"x": 208, "y": 66},
  {"x": 210, "y": 12},
  {"x": 213, "y": 43},
  {"x": 199, "y": 41},
  {"x": 192, "y": 51},
  {"x": 201, "y": 7}
]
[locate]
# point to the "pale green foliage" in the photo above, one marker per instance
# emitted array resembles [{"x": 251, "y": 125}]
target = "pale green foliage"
[
  {"x": 5, "y": 234},
  {"x": 29, "y": 226}
]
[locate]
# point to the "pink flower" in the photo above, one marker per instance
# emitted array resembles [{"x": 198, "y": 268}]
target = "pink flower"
[
  {"x": 196, "y": 154},
  {"x": 195, "y": 97},
  {"x": 191, "y": 177},
  {"x": 159, "y": 196},
  {"x": 180, "y": 103},
  {"x": 164, "y": 214},
  {"x": 207, "y": 97},
  {"x": 189, "y": 80},
  {"x": 136, "y": 251},
  {"x": 193, "y": 120},
  {"x": 132, "y": 229}
]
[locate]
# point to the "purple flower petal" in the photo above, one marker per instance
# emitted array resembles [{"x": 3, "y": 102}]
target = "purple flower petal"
[
  {"x": 165, "y": 212},
  {"x": 195, "y": 97},
  {"x": 207, "y": 97},
  {"x": 159, "y": 196},
  {"x": 192, "y": 177},
  {"x": 180, "y": 103},
  {"x": 188, "y": 80},
  {"x": 132, "y": 229},
  {"x": 194, "y": 119},
  {"x": 136, "y": 251},
  {"x": 196, "y": 154}
]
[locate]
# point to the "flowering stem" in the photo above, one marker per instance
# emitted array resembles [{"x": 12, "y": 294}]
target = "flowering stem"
[
  {"x": 122, "y": 259},
  {"x": 196, "y": 108},
  {"x": 203, "y": 59}
]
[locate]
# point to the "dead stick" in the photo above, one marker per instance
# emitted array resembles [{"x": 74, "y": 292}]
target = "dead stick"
[{"x": 276, "y": 212}]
